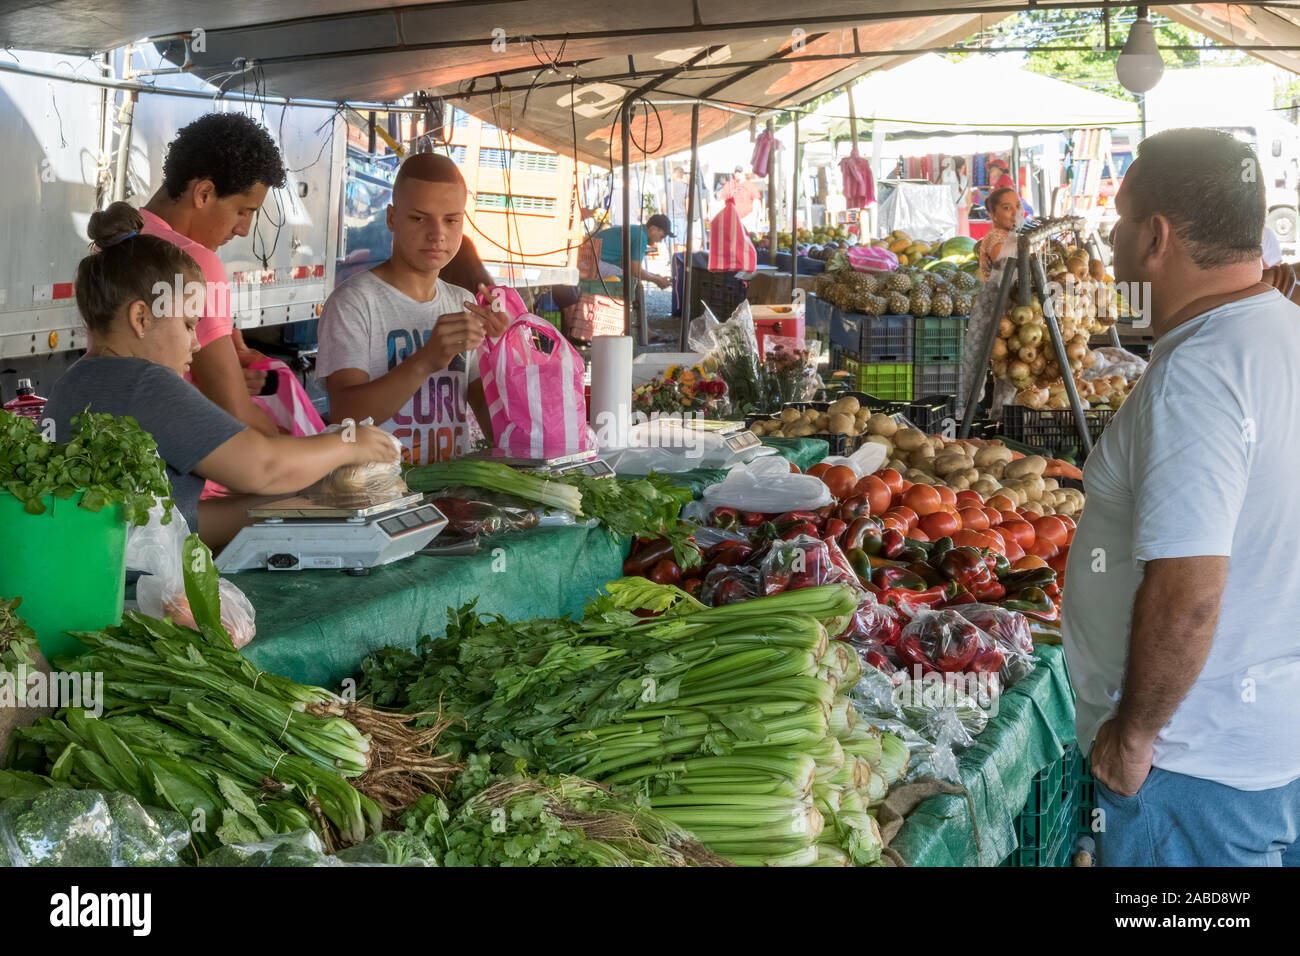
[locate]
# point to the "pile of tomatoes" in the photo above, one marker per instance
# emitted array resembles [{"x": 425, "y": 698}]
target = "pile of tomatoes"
[{"x": 927, "y": 513}]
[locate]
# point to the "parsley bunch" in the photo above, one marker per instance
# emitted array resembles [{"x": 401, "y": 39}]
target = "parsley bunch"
[{"x": 113, "y": 460}]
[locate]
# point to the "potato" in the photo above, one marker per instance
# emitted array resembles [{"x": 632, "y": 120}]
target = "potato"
[
  {"x": 1050, "y": 484},
  {"x": 918, "y": 477},
  {"x": 958, "y": 482},
  {"x": 791, "y": 415},
  {"x": 971, "y": 475},
  {"x": 898, "y": 464},
  {"x": 847, "y": 405},
  {"x": 1033, "y": 507},
  {"x": 1015, "y": 494},
  {"x": 1033, "y": 486},
  {"x": 801, "y": 431},
  {"x": 910, "y": 439},
  {"x": 939, "y": 445},
  {"x": 950, "y": 462},
  {"x": 882, "y": 424},
  {"x": 1031, "y": 465},
  {"x": 987, "y": 487},
  {"x": 759, "y": 428},
  {"x": 995, "y": 470},
  {"x": 922, "y": 463},
  {"x": 1046, "y": 508},
  {"x": 992, "y": 453},
  {"x": 842, "y": 424}
]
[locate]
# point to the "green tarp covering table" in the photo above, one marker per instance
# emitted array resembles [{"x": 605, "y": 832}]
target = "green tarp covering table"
[
  {"x": 1035, "y": 721},
  {"x": 316, "y": 626}
]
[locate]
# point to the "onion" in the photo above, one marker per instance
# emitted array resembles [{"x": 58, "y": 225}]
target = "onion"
[
  {"x": 999, "y": 348},
  {"x": 1089, "y": 357},
  {"x": 1038, "y": 366},
  {"x": 1006, "y": 328},
  {"x": 1031, "y": 334},
  {"x": 1000, "y": 366},
  {"x": 1027, "y": 353},
  {"x": 1075, "y": 350},
  {"x": 1017, "y": 370}
]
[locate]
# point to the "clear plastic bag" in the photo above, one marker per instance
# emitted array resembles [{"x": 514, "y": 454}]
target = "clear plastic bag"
[
  {"x": 1010, "y": 631},
  {"x": 768, "y": 485},
  {"x": 730, "y": 584},
  {"x": 471, "y": 517},
  {"x": 378, "y": 480},
  {"x": 299, "y": 848},
  {"x": 66, "y": 827},
  {"x": 157, "y": 550}
]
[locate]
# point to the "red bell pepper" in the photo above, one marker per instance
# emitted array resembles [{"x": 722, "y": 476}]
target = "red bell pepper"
[
  {"x": 798, "y": 528},
  {"x": 725, "y": 518},
  {"x": 892, "y": 543},
  {"x": 840, "y": 560},
  {"x": 854, "y": 506},
  {"x": 834, "y": 529},
  {"x": 752, "y": 519},
  {"x": 987, "y": 660},
  {"x": 956, "y": 645}
]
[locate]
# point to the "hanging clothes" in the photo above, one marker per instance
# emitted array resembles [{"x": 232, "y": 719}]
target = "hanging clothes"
[
  {"x": 763, "y": 146},
  {"x": 859, "y": 184}
]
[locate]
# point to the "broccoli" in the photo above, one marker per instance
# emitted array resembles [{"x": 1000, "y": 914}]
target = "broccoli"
[{"x": 65, "y": 827}]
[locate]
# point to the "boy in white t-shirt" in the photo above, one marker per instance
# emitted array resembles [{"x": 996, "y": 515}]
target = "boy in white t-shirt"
[
  {"x": 397, "y": 343},
  {"x": 1182, "y": 592}
]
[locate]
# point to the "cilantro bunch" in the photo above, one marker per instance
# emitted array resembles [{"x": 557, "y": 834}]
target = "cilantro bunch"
[{"x": 113, "y": 460}]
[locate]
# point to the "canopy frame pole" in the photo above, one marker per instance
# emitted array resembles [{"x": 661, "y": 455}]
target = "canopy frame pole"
[
  {"x": 981, "y": 372},
  {"x": 853, "y": 118},
  {"x": 1058, "y": 346},
  {"x": 794, "y": 210},
  {"x": 688, "y": 258}
]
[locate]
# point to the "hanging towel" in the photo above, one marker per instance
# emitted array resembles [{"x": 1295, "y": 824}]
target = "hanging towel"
[
  {"x": 859, "y": 184},
  {"x": 763, "y": 145}
]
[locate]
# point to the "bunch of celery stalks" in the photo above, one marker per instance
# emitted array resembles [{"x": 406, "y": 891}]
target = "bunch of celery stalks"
[{"x": 732, "y": 722}]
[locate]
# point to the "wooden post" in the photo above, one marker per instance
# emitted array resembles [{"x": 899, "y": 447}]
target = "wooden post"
[{"x": 772, "y": 244}]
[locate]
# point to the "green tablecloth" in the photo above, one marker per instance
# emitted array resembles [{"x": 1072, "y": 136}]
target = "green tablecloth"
[
  {"x": 1035, "y": 721},
  {"x": 316, "y": 626}
]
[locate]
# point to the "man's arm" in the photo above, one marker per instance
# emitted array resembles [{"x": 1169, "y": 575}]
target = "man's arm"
[
  {"x": 639, "y": 273},
  {"x": 1175, "y": 615},
  {"x": 217, "y": 373}
]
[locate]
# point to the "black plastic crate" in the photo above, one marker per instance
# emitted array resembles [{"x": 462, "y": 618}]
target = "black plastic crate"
[
  {"x": 928, "y": 412},
  {"x": 938, "y": 339},
  {"x": 941, "y": 378},
  {"x": 721, "y": 291},
  {"x": 1052, "y": 429},
  {"x": 837, "y": 444},
  {"x": 885, "y": 339}
]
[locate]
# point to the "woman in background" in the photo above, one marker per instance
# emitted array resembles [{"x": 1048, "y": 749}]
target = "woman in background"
[{"x": 1003, "y": 206}]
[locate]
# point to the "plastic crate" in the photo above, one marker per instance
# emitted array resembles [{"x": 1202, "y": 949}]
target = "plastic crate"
[
  {"x": 889, "y": 382},
  {"x": 721, "y": 291},
  {"x": 817, "y": 316},
  {"x": 885, "y": 339},
  {"x": 1052, "y": 429},
  {"x": 937, "y": 378},
  {"x": 937, "y": 339},
  {"x": 837, "y": 444},
  {"x": 928, "y": 412},
  {"x": 1078, "y": 777}
]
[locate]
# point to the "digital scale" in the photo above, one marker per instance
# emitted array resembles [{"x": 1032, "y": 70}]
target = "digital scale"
[
  {"x": 350, "y": 533},
  {"x": 583, "y": 462},
  {"x": 734, "y": 435}
]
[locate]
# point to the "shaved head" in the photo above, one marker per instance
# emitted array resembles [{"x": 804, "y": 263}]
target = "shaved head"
[{"x": 428, "y": 168}]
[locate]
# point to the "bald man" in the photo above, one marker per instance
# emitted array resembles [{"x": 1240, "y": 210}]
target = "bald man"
[{"x": 397, "y": 343}]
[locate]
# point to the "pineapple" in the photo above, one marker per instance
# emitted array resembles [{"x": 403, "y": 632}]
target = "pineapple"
[
  {"x": 897, "y": 304},
  {"x": 961, "y": 304},
  {"x": 941, "y": 305},
  {"x": 870, "y": 284},
  {"x": 965, "y": 281},
  {"x": 920, "y": 305},
  {"x": 898, "y": 282},
  {"x": 873, "y": 305}
]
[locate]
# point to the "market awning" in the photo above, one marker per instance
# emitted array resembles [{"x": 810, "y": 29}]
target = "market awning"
[
  {"x": 538, "y": 66},
  {"x": 970, "y": 97},
  {"x": 1257, "y": 27}
]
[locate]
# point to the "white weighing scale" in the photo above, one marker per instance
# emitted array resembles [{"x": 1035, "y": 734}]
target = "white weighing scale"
[
  {"x": 734, "y": 435},
  {"x": 582, "y": 462},
  {"x": 350, "y": 533}
]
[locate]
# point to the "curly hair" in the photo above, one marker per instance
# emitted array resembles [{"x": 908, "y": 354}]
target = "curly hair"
[{"x": 228, "y": 148}]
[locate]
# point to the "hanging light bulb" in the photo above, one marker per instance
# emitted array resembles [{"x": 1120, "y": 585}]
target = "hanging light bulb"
[{"x": 1139, "y": 66}]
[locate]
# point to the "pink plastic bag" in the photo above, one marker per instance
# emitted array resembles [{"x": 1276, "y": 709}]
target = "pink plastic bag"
[
  {"x": 871, "y": 258},
  {"x": 762, "y": 153},
  {"x": 729, "y": 247},
  {"x": 535, "y": 399}
]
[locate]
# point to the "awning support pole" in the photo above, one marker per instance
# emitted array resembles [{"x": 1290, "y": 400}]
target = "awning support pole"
[
  {"x": 794, "y": 210},
  {"x": 688, "y": 259}
]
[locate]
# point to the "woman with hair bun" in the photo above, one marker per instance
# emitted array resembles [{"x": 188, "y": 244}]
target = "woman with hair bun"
[{"x": 142, "y": 297}]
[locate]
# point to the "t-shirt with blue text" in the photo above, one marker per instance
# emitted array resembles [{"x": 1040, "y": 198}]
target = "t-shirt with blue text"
[{"x": 369, "y": 325}]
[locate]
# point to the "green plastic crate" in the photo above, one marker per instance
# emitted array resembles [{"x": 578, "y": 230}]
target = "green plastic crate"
[
  {"x": 938, "y": 340},
  {"x": 1048, "y": 826},
  {"x": 890, "y": 382}
]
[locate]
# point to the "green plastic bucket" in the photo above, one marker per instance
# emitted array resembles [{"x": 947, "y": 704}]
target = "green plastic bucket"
[{"x": 68, "y": 565}]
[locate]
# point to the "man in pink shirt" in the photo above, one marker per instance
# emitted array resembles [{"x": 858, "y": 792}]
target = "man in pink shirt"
[{"x": 216, "y": 175}]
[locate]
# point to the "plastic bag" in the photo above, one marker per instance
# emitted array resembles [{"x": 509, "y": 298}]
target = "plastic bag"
[
  {"x": 801, "y": 562},
  {"x": 469, "y": 517},
  {"x": 870, "y": 258},
  {"x": 767, "y": 484},
  {"x": 1112, "y": 361},
  {"x": 156, "y": 549},
  {"x": 375, "y": 479},
  {"x": 66, "y": 827},
  {"x": 946, "y": 642},
  {"x": 730, "y": 584},
  {"x": 1010, "y": 630},
  {"x": 299, "y": 848}
]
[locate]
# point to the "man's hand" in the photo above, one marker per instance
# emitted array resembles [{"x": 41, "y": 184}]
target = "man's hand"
[
  {"x": 495, "y": 320},
  {"x": 1119, "y": 763},
  {"x": 454, "y": 333},
  {"x": 660, "y": 281},
  {"x": 373, "y": 444}
]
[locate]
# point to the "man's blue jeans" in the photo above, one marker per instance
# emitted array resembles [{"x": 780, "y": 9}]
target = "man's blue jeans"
[{"x": 1177, "y": 820}]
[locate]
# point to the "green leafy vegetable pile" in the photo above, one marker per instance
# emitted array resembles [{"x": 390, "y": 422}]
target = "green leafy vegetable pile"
[
  {"x": 731, "y": 722},
  {"x": 112, "y": 459},
  {"x": 64, "y": 827}
]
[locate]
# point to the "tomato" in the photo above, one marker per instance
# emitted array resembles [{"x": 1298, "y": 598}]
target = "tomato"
[
  {"x": 794, "y": 469},
  {"x": 1008, "y": 516},
  {"x": 974, "y": 497},
  {"x": 1057, "y": 563},
  {"x": 916, "y": 534},
  {"x": 1029, "y": 562},
  {"x": 1023, "y": 531},
  {"x": 974, "y": 519},
  {"x": 940, "y": 524},
  {"x": 1051, "y": 528},
  {"x": 1014, "y": 552},
  {"x": 923, "y": 499},
  {"x": 1002, "y": 503},
  {"x": 977, "y": 539},
  {"x": 994, "y": 516},
  {"x": 892, "y": 479},
  {"x": 905, "y": 514},
  {"x": 946, "y": 494},
  {"x": 1068, "y": 522},
  {"x": 818, "y": 469},
  {"x": 1044, "y": 549},
  {"x": 874, "y": 489},
  {"x": 895, "y": 522},
  {"x": 840, "y": 479}
]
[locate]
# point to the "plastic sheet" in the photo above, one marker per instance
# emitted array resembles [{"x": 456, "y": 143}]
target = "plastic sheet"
[
  {"x": 65, "y": 827},
  {"x": 768, "y": 485},
  {"x": 304, "y": 848},
  {"x": 922, "y": 210},
  {"x": 157, "y": 549}
]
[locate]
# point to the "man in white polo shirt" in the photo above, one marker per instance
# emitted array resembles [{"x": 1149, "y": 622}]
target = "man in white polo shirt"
[{"x": 1182, "y": 606}]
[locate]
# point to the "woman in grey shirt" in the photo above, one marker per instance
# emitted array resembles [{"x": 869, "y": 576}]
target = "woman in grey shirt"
[{"x": 142, "y": 341}]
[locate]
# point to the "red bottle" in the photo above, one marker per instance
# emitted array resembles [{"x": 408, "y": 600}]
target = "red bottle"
[{"x": 27, "y": 403}]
